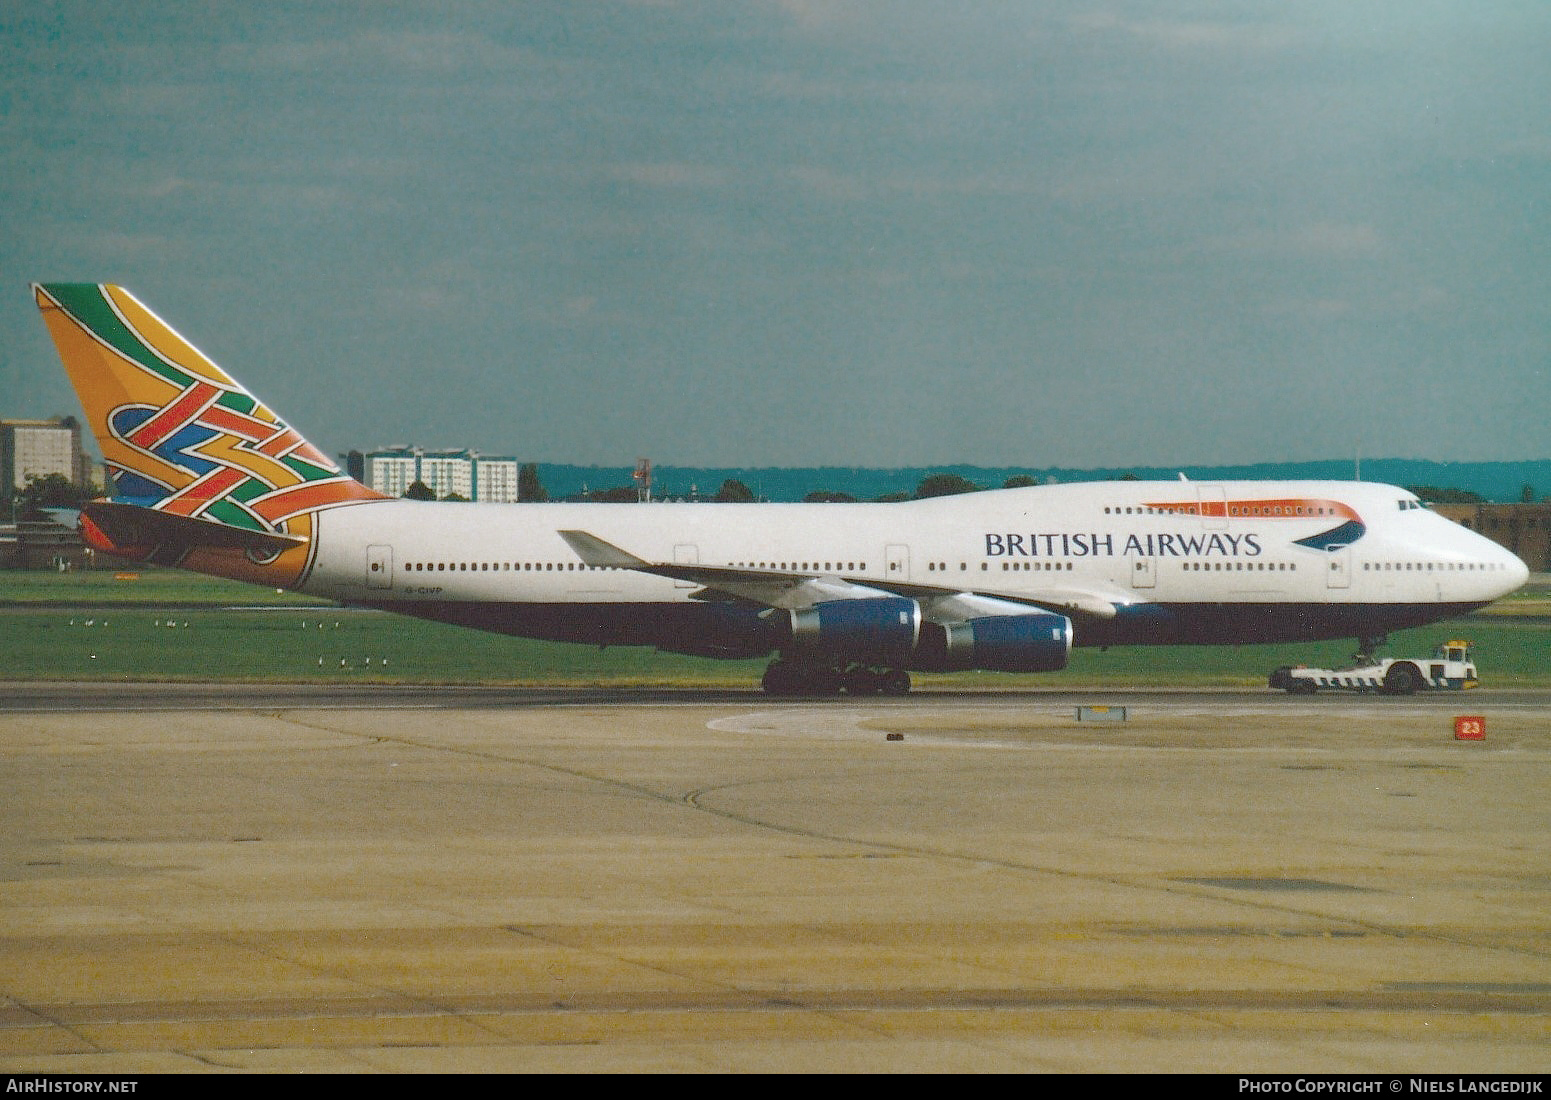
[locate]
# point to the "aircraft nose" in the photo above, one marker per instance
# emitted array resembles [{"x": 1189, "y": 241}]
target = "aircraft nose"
[{"x": 1518, "y": 574}]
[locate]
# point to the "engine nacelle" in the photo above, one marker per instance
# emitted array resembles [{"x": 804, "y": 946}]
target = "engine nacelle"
[
  {"x": 880, "y": 631},
  {"x": 1039, "y": 642}
]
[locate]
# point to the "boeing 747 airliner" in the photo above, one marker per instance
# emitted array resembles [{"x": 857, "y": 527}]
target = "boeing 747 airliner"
[{"x": 846, "y": 597}]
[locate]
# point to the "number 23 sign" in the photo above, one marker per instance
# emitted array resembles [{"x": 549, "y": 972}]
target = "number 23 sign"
[{"x": 1471, "y": 728}]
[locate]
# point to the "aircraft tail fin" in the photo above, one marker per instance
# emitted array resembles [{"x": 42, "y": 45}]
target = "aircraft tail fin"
[{"x": 183, "y": 438}]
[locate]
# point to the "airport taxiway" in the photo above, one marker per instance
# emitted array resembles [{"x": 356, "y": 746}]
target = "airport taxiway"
[{"x": 1233, "y": 882}]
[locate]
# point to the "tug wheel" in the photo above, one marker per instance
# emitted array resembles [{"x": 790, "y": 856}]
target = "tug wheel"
[{"x": 1402, "y": 679}]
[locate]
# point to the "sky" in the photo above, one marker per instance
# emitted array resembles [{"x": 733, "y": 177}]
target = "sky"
[{"x": 797, "y": 232}]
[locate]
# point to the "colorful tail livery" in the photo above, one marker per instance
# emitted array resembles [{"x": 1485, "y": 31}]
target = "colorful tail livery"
[{"x": 204, "y": 475}]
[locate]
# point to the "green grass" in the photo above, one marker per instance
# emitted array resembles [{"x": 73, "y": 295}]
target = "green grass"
[
  {"x": 129, "y": 634},
  {"x": 324, "y": 645},
  {"x": 143, "y": 585}
]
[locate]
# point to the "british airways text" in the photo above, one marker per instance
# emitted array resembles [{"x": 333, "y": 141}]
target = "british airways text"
[{"x": 1092, "y": 545}]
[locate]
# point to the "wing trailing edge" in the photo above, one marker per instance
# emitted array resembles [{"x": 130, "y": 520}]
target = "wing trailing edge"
[{"x": 796, "y": 590}]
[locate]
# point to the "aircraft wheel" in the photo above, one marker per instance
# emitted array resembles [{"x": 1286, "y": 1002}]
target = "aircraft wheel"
[
  {"x": 792, "y": 678},
  {"x": 1402, "y": 679},
  {"x": 780, "y": 679},
  {"x": 823, "y": 681},
  {"x": 862, "y": 681},
  {"x": 896, "y": 681}
]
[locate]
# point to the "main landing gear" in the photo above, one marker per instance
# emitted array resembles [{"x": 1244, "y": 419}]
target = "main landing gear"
[{"x": 801, "y": 678}]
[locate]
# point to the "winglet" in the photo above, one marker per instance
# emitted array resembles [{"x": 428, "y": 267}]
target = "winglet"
[{"x": 604, "y": 555}]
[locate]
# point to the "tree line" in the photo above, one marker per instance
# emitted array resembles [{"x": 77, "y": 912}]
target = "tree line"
[{"x": 530, "y": 490}]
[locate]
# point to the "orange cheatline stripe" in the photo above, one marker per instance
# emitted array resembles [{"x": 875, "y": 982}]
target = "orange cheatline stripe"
[{"x": 1239, "y": 508}]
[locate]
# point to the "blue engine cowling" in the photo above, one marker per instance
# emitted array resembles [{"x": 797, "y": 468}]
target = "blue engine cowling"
[
  {"x": 881, "y": 631},
  {"x": 1039, "y": 642}
]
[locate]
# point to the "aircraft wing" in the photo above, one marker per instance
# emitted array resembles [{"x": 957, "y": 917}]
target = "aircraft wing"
[
  {"x": 790, "y": 591},
  {"x": 793, "y": 591}
]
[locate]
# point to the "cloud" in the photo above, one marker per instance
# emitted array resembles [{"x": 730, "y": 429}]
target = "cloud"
[
  {"x": 826, "y": 16},
  {"x": 925, "y": 183},
  {"x": 948, "y": 201},
  {"x": 670, "y": 174},
  {"x": 1330, "y": 240},
  {"x": 388, "y": 54},
  {"x": 1202, "y": 36}
]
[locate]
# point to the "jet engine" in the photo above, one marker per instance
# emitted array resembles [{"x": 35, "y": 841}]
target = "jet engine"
[
  {"x": 881, "y": 631},
  {"x": 1038, "y": 642}
]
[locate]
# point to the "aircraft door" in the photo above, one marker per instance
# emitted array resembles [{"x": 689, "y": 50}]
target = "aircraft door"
[
  {"x": 897, "y": 563},
  {"x": 379, "y": 567},
  {"x": 1214, "y": 507},
  {"x": 1144, "y": 572},
  {"x": 1338, "y": 567},
  {"x": 686, "y": 554}
]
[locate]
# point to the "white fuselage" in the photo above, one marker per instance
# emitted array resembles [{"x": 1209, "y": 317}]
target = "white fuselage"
[{"x": 1303, "y": 559}]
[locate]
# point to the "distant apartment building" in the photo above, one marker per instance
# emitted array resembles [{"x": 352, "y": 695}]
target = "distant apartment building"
[
  {"x": 489, "y": 478},
  {"x": 38, "y": 448}
]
